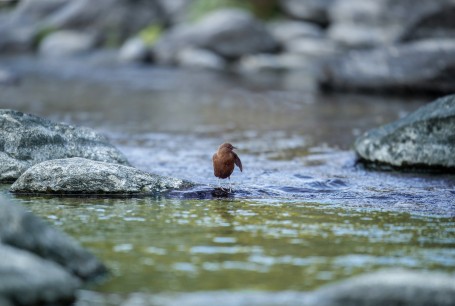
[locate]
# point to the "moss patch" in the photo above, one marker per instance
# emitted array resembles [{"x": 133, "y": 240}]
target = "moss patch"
[{"x": 151, "y": 34}]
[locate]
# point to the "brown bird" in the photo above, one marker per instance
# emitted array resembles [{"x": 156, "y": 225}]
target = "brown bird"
[{"x": 223, "y": 162}]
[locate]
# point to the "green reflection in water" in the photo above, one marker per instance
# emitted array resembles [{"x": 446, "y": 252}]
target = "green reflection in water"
[{"x": 186, "y": 245}]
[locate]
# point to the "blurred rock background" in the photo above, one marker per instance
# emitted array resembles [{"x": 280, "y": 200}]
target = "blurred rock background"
[{"x": 380, "y": 45}]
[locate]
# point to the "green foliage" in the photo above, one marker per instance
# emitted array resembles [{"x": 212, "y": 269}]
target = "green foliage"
[
  {"x": 200, "y": 8},
  {"x": 151, "y": 34},
  {"x": 263, "y": 9},
  {"x": 41, "y": 34}
]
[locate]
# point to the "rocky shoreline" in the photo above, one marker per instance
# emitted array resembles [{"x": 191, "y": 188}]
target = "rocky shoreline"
[{"x": 342, "y": 44}]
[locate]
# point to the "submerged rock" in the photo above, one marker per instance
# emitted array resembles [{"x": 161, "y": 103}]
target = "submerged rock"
[
  {"x": 23, "y": 230},
  {"x": 424, "y": 138},
  {"x": 26, "y": 279},
  {"x": 84, "y": 176},
  {"x": 387, "y": 287},
  {"x": 420, "y": 66},
  {"x": 390, "y": 287},
  {"x": 26, "y": 140}
]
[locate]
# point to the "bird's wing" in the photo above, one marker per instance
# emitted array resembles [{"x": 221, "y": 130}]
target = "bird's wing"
[{"x": 238, "y": 162}]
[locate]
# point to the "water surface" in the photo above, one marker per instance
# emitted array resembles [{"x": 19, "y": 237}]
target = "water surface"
[{"x": 303, "y": 213}]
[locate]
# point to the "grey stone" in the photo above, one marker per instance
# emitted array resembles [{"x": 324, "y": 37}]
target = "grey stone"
[
  {"x": 386, "y": 287},
  {"x": 357, "y": 23},
  {"x": 26, "y": 279},
  {"x": 389, "y": 287},
  {"x": 84, "y": 176},
  {"x": 133, "y": 50},
  {"x": 230, "y": 33},
  {"x": 285, "y": 31},
  {"x": 311, "y": 10},
  {"x": 313, "y": 47},
  {"x": 261, "y": 62},
  {"x": 177, "y": 10},
  {"x": 420, "y": 66},
  {"x": 66, "y": 43},
  {"x": 27, "y": 139},
  {"x": 23, "y": 230},
  {"x": 120, "y": 19},
  {"x": 200, "y": 59},
  {"x": 424, "y": 138},
  {"x": 233, "y": 33}
]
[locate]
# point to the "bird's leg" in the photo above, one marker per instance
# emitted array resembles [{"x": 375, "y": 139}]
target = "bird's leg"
[{"x": 230, "y": 187}]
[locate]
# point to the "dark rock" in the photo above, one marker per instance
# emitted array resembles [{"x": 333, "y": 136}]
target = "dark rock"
[
  {"x": 66, "y": 43},
  {"x": 22, "y": 230},
  {"x": 84, "y": 176},
  {"x": 421, "y": 66},
  {"x": 230, "y": 33},
  {"x": 27, "y": 139},
  {"x": 26, "y": 279},
  {"x": 311, "y": 10},
  {"x": 389, "y": 287},
  {"x": 358, "y": 23},
  {"x": 424, "y": 138}
]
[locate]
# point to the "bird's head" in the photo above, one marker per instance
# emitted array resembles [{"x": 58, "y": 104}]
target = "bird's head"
[{"x": 227, "y": 146}]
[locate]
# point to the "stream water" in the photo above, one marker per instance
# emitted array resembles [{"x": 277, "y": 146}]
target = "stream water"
[{"x": 303, "y": 212}]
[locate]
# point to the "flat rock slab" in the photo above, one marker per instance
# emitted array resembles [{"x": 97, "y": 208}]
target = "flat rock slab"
[
  {"x": 81, "y": 176},
  {"x": 26, "y": 140},
  {"x": 425, "y": 138},
  {"x": 23, "y": 230},
  {"x": 27, "y": 279}
]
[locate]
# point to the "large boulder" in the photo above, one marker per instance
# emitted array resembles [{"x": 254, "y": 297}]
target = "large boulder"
[
  {"x": 358, "y": 23},
  {"x": 424, "y": 138},
  {"x": 26, "y": 279},
  {"x": 230, "y": 33},
  {"x": 389, "y": 287},
  {"x": 23, "y": 230},
  {"x": 420, "y": 66},
  {"x": 84, "y": 176},
  {"x": 27, "y": 139}
]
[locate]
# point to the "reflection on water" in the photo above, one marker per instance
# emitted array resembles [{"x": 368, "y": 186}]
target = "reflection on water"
[{"x": 170, "y": 245}]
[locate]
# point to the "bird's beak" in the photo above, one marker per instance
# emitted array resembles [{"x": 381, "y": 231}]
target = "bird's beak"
[{"x": 234, "y": 148}]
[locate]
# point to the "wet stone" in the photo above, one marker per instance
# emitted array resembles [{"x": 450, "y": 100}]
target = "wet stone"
[
  {"x": 26, "y": 140},
  {"x": 423, "y": 139},
  {"x": 79, "y": 176},
  {"x": 23, "y": 230}
]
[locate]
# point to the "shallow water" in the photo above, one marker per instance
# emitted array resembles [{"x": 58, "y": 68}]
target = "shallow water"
[
  {"x": 303, "y": 212},
  {"x": 162, "y": 245}
]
